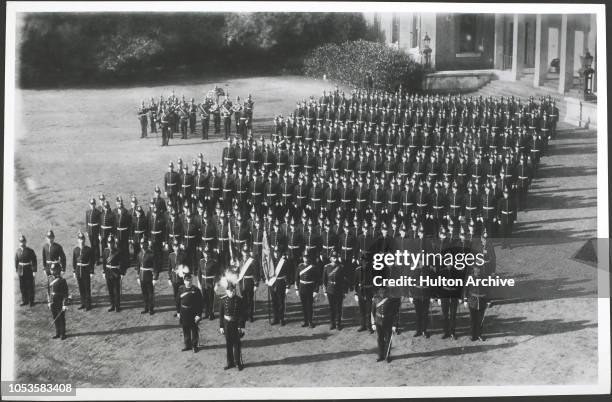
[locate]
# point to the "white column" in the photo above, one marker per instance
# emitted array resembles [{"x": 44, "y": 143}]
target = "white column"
[
  {"x": 518, "y": 46},
  {"x": 498, "y": 50},
  {"x": 541, "y": 51},
  {"x": 566, "y": 54}
]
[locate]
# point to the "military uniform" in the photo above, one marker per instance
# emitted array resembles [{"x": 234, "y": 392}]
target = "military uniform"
[
  {"x": 231, "y": 321},
  {"x": 384, "y": 315},
  {"x": 26, "y": 266},
  {"x": 53, "y": 254},
  {"x": 279, "y": 286},
  {"x": 334, "y": 283},
  {"x": 421, "y": 296},
  {"x": 449, "y": 296},
  {"x": 57, "y": 292},
  {"x": 248, "y": 279},
  {"x": 93, "y": 220},
  {"x": 506, "y": 214},
  {"x": 147, "y": 276},
  {"x": 364, "y": 292},
  {"x": 190, "y": 303},
  {"x": 113, "y": 273},
  {"x": 83, "y": 267},
  {"x": 476, "y": 297},
  {"x": 175, "y": 259},
  {"x": 306, "y": 284}
]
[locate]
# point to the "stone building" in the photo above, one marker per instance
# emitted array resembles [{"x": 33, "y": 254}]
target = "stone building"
[{"x": 549, "y": 48}]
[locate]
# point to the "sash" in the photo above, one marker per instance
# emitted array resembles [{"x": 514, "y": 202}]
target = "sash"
[
  {"x": 335, "y": 271},
  {"x": 279, "y": 266},
  {"x": 53, "y": 281},
  {"x": 380, "y": 303},
  {"x": 245, "y": 267},
  {"x": 305, "y": 270}
]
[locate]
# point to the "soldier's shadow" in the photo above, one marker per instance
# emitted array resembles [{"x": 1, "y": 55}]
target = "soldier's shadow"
[
  {"x": 162, "y": 303},
  {"x": 456, "y": 351},
  {"x": 312, "y": 358},
  {"x": 293, "y": 312},
  {"x": 126, "y": 331},
  {"x": 518, "y": 326},
  {"x": 272, "y": 341}
]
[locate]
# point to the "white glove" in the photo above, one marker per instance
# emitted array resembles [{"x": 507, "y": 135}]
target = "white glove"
[
  {"x": 394, "y": 330},
  {"x": 314, "y": 294},
  {"x": 297, "y": 293},
  {"x": 410, "y": 300},
  {"x": 356, "y": 299},
  {"x": 439, "y": 302},
  {"x": 154, "y": 282},
  {"x": 287, "y": 291},
  {"x": 178, "y": 315},
  {"x": 138, "y": 281},
  {"x": 241, "y": 330},
  {"x": 325, "y": 293},
  {"x": 197, "y": 318},
  {"x": 104, "y": 275},
  {"x": 221, "y": 331},
  {"x": 49, "y": 306},
  {"x": 465, "y": 304},
  {"x": 74, "y": 274},
  {"x": 373, "y": 327},
  {"x": 254, "y": 288},
  {"x": 64, "y": 308},
  {"x": 91, "y": 276},
  {"x": 169, "y": 282}
]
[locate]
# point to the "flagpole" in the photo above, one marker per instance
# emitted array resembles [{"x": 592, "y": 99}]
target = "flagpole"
[{"x": 265, "y": 263}]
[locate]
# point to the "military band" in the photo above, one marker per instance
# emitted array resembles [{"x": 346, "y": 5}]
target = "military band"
[{"x": 173, "y": 115}]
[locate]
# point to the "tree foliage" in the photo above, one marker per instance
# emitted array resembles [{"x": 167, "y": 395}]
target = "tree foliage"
[
  {"x": 81, "y": 47},
  {"x": 349, "y": 62}
]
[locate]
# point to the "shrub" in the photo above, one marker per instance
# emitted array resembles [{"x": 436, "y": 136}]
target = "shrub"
[{"x": 348, "y": 63}]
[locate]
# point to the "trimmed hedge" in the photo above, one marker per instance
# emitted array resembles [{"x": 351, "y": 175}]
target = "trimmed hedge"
[{"x": 349, "y": 62}]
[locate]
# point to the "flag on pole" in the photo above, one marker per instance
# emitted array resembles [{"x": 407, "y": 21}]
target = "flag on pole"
[
  {"x": 231, "y": 240},
  {"x": 266, "y": 259}
]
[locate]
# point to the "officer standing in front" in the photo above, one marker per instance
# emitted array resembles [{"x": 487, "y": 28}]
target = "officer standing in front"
[
  {"x": 475, "y": 297},
  {"x": 57, "y": 292},
  {"x": 231, "y": 324},
  {"x": 190, "y": 299},
  {"x": 384, "y": 321}
]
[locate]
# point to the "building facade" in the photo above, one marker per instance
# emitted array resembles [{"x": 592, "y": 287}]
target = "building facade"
[{"x": 549, "y": 48}]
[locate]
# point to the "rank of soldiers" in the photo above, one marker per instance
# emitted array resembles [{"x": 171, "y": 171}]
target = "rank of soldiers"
[{"x": 341, "y": 178}]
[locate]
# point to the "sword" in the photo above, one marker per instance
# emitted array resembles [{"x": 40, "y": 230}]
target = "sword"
[
  {"x": 484, "y": 315},
  {"x": 58, "y": 316},
  {"x": 389, "y": 347}
]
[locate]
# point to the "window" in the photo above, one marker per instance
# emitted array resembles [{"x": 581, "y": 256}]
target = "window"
[{"x": 467, "y": 33}]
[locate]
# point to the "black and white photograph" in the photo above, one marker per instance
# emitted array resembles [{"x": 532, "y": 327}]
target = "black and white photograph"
[{"x": 301, "y": 200}]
